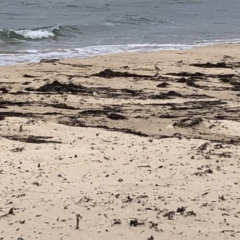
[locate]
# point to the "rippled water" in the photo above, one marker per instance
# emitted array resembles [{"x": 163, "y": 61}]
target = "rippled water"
[{"x": 30, "y": 30}]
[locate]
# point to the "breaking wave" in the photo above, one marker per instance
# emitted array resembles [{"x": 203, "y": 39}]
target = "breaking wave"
[{"x": 29, "y": 34}]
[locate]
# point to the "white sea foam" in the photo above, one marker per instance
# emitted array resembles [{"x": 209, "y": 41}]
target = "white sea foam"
[
  {"x": 33, "y": 55},
  {"x": 35, "y": 33}
]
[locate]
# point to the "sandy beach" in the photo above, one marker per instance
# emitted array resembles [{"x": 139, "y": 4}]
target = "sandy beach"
[{"x": 129, "y": 152}]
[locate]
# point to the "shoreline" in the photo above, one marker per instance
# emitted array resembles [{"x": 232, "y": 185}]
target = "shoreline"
[
  {"x": 28, "y": 54},
  {"x": 153, "y": 56},
  {"x": 137, "y": 155}
]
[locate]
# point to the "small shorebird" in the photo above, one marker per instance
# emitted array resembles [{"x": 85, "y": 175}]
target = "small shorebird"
[
  {"x": 237, "y": 72},
  {"x": 71, "y": 78},
  {"x": 195, "y": 92},
  {"x": 157, "y": 68},
  {"x": 95, "y": 94},
  {"x": 156, "y": 76}
]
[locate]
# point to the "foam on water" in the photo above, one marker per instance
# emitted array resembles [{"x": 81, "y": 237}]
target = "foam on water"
[
  {"x": 27, "y": 34},
  {"x": 35, "y": 34},
  {"x": 33, "y": 55}
]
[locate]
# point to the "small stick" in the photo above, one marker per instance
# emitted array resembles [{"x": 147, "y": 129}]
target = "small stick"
[
  {"x": 78, "y": 216},
  {"x": 20, "y": 130},
  {"x": 147, "y": 166}
]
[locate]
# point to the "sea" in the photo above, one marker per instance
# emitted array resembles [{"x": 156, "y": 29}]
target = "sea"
[{"x": 31, "y": 30}]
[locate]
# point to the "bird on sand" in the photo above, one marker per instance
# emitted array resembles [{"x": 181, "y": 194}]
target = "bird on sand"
[
  {"x": 71, "y": 78},
  {"x": 156, "y": 76},
  {"x": 194, "y": 92},
  {"x": 95, "y": 94},
  {"x": 157, "y": 68},
  {"x": 237, "y": 72}
]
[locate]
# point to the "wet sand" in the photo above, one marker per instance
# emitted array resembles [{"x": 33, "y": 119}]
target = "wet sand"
[{"x": 147, "y": 156}]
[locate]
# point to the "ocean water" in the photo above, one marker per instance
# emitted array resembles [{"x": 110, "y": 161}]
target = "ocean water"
[{"x": 31, "y": 30}]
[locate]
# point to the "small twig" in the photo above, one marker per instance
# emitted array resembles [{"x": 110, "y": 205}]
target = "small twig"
[
  {"x": 78, "y": 217},
  {"x": 173, "y": 175},
  {"x": 147, "y": 166}
]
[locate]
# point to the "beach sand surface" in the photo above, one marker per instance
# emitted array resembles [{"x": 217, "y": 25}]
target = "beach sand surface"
[{"x": 150, "y": 155}]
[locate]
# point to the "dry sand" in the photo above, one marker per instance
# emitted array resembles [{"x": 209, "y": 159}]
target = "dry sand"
[{"x": 147, "y": 159}]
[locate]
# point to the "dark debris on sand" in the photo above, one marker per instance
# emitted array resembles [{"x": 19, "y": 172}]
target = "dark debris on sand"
[
  {"x": 188, "y": 122},
  {"x": 112, "y": 116},
  {"x": 56, "y": 86},
  {"x": 212, "y": 65},
  {"x": 108, "y": 73}
]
